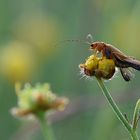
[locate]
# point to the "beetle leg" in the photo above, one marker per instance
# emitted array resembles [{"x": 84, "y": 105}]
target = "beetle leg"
[{"x": 96, "y": 52}]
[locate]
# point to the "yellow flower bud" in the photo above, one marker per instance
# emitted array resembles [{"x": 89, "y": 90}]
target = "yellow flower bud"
[
  {"x": 100, "y": 67},
  {"x": 106, "y": 68},
  {"x": 90, "y": 65}
]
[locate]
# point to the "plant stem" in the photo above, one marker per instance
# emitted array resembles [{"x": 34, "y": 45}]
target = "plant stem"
[
  {"x": 136, "y": 115},
  {"x": 46, "y": 129},
  {"x": 117, "y": 110}
]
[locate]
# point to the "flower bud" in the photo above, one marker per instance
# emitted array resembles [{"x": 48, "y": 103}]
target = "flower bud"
[
  {"x": 100, "y": 67},
  {"x": 40, "y": 98},
  {"x": 90, "y": 65},
  {"x": 106, "y": 67}
]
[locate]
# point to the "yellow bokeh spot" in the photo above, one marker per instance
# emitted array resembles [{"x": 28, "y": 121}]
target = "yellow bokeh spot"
[
  {"x": 16, "y": 61},
  {"x": 39, "y": 30}
]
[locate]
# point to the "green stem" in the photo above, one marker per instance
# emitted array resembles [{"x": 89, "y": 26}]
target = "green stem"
[
  {"x": 117, "y": 110},
  {"x": 134, "y": 135},
  {"x": 46, "y": 129},
  {"x": 136, "y": 115}
]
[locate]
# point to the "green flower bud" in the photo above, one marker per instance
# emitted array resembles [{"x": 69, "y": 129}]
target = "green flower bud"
[{"x": 32, "y": 100}]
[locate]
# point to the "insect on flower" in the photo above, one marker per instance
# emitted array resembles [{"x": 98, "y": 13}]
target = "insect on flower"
[
  {"x": 110, "y": 53},
  {"x": 122, "y": 61}
]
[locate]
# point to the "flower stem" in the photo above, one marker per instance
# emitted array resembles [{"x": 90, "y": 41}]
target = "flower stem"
[
  {"x": 117, "y": 111},
  {"x": 46, "y": 129},
  {"x": 136, "y": 115}
]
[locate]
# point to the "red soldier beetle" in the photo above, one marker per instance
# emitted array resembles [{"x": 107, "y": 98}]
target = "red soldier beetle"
[{"x": 121, "y": 60}]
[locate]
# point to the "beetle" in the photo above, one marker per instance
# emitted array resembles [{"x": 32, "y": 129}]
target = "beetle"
[{"x": 122, "y": 61}]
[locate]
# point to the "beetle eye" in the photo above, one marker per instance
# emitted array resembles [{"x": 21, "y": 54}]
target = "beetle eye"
[{"x": 91, "y": 45}]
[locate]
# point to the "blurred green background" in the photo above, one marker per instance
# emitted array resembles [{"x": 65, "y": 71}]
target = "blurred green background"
[{"x": 29, "y": 32}]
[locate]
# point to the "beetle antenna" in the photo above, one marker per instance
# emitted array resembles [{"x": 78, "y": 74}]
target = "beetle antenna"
[{"x": 73, "y": 40}]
